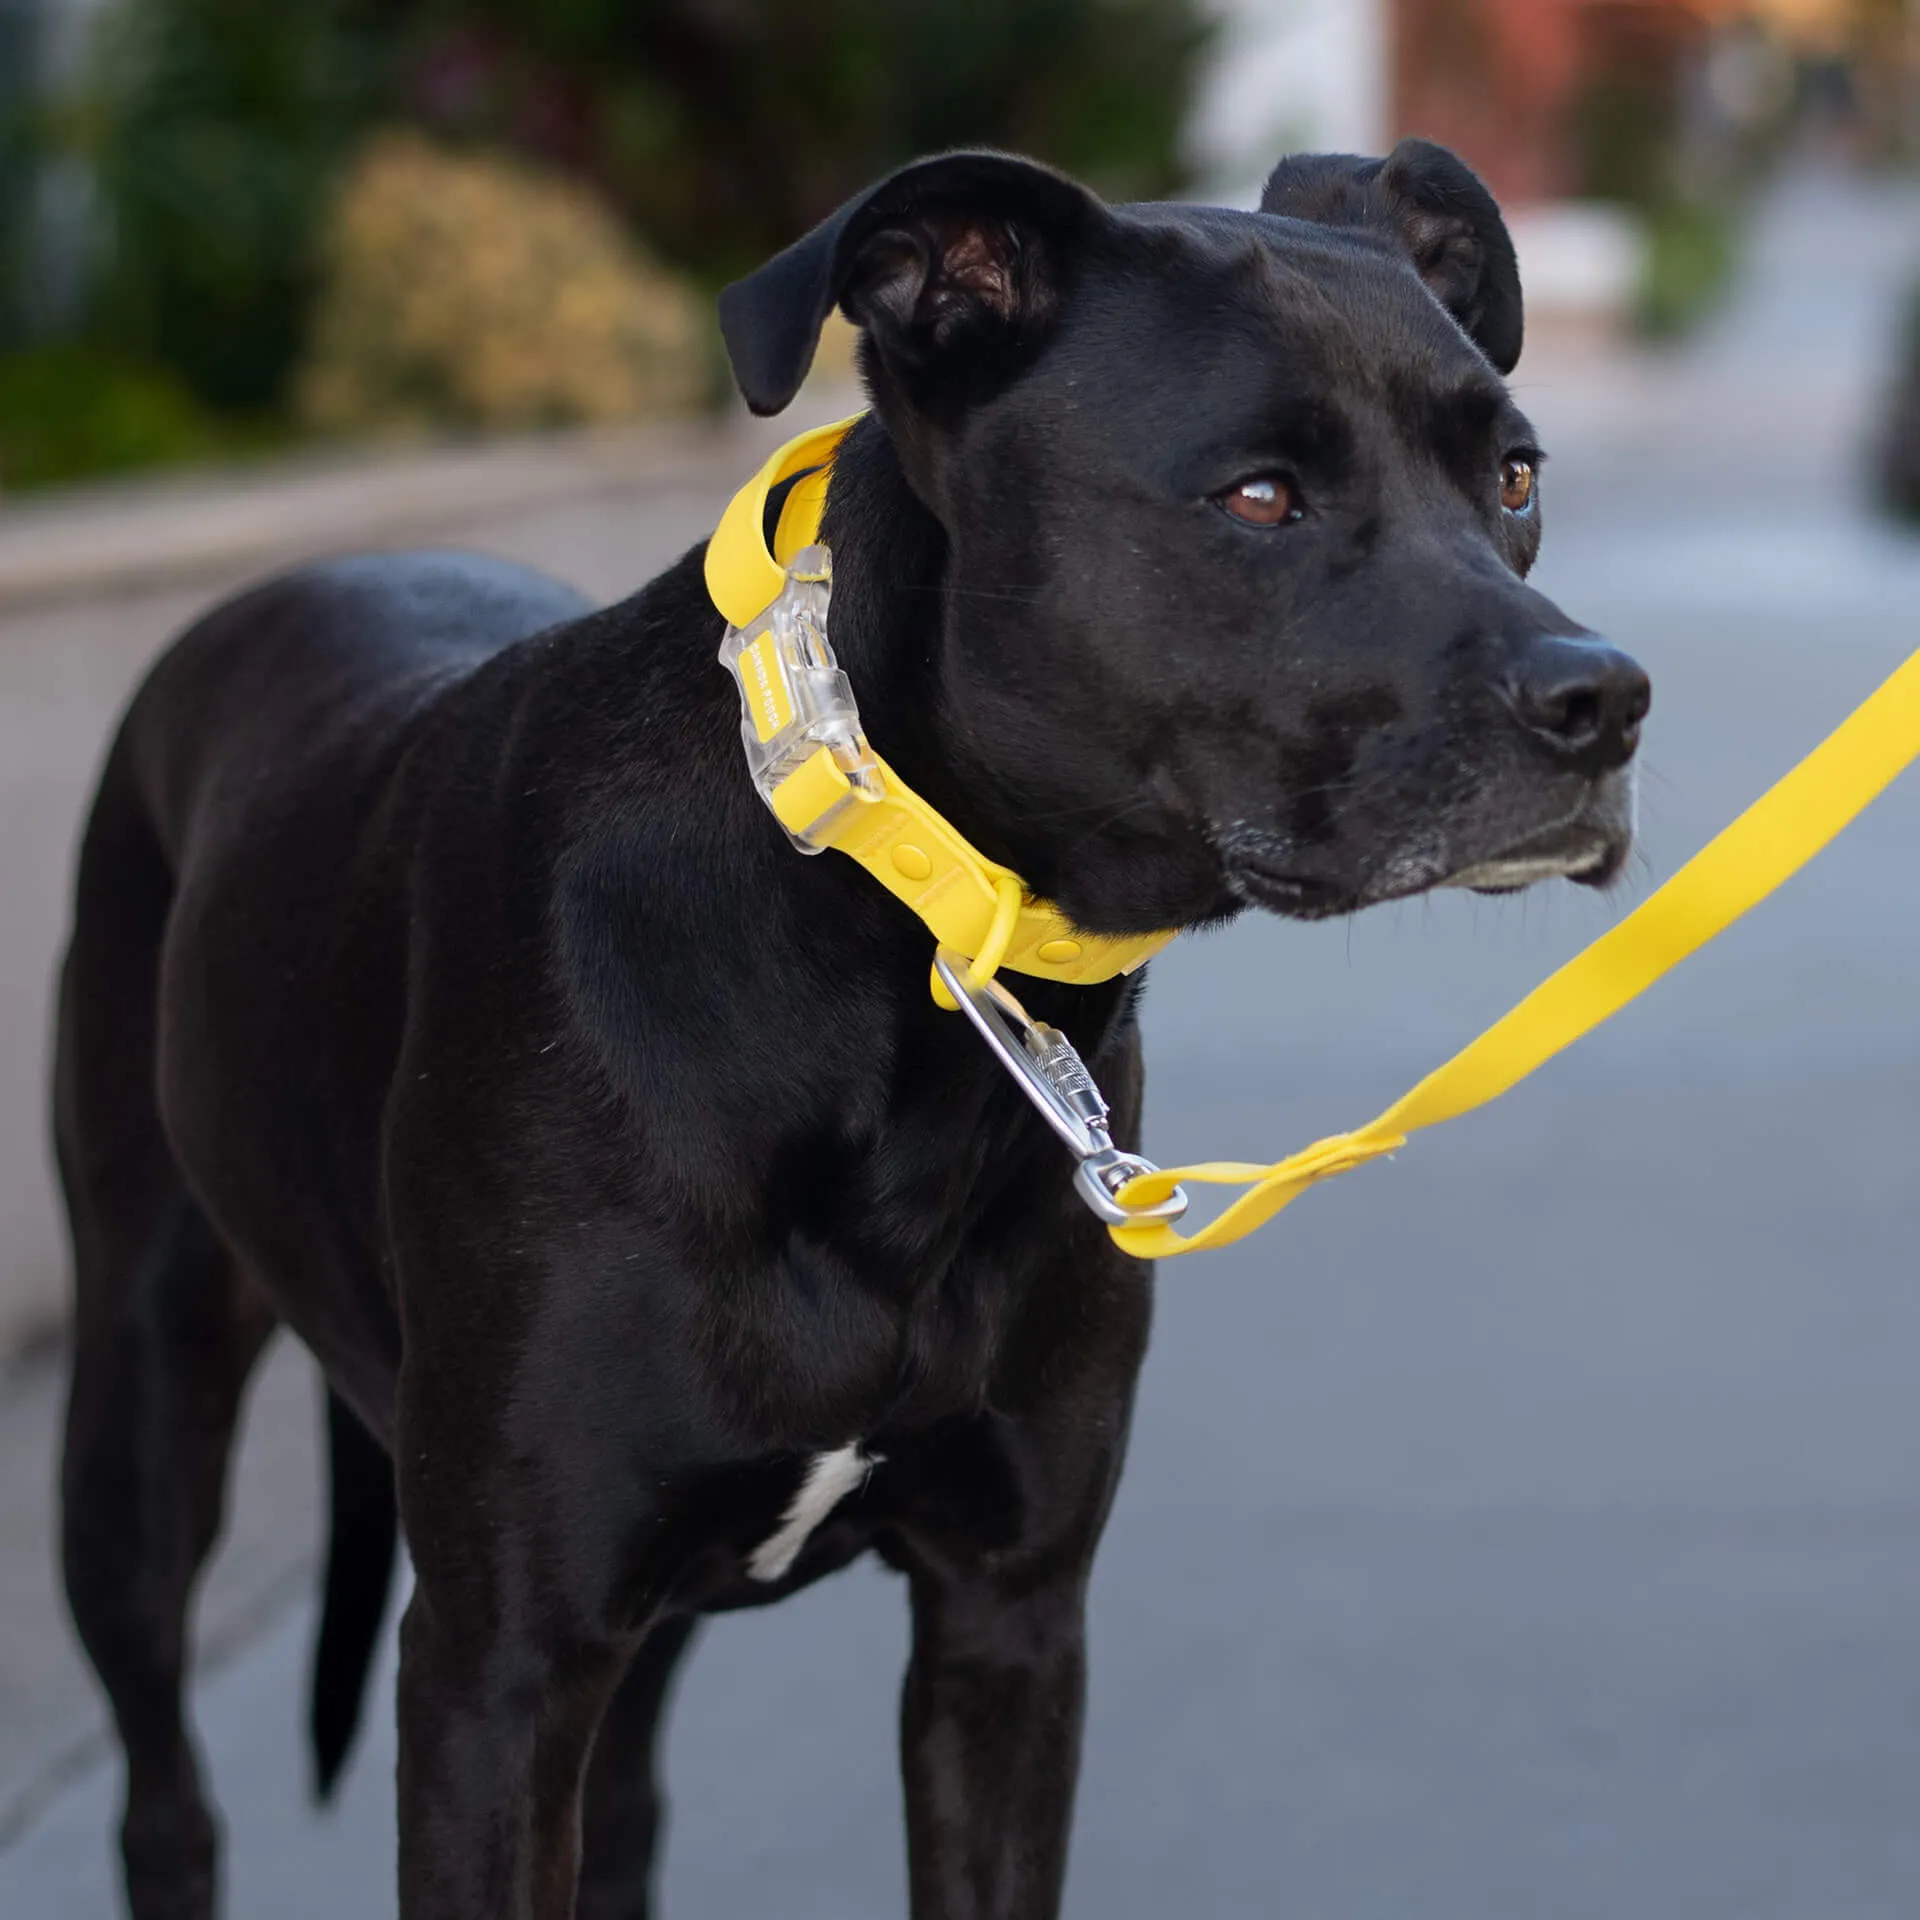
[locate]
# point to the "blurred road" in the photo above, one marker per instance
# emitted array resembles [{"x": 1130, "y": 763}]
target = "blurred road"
[{"x": 1530, "y": 1526}]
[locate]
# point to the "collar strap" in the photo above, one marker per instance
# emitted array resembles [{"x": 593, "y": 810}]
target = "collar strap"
[{"x": 814, "y": 768}]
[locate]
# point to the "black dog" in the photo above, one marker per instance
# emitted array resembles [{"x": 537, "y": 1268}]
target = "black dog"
[{"x": 440, "y": 987}]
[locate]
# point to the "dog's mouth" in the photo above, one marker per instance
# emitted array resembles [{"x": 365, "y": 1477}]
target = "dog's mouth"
[
  {"x": 1586, "y": 855},
  {"x": 1588, "y": 846},
  {"x": 1295, "y": 895}
]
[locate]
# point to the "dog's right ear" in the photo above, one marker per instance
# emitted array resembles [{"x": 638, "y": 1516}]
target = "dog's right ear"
[
  {"x": 1430, "y": 201},
  {"x": 954, "y": 267}
]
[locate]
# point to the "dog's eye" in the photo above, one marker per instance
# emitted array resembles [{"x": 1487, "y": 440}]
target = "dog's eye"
[
  {"x": 1516, "y": 484},
  {"x": 1267, "y": 500}
]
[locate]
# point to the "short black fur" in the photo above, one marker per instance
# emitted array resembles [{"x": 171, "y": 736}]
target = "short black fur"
[{"x": 440, "y": 988}]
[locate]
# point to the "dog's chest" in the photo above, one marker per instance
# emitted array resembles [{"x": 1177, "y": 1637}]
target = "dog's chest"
[
  {"x": 948, "y": 1378},
  {"x": 964, "y": 1483},
  {"x": 825, "y": 1481}
]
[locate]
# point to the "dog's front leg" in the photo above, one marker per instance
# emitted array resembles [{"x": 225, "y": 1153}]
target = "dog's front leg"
[
  {"x": 526, "y": 1609},
  {"x": 990, "y": 1741},
  {"x": 495, "y": 1730},
  {"x": 998, "y": 1542},
  {"x": 622, "y": 1807}
]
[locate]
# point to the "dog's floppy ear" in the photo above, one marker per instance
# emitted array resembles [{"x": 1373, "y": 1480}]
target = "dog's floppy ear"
[
  {"x": 1438, "y": 209},
  {"x": 961, "y": 255}
]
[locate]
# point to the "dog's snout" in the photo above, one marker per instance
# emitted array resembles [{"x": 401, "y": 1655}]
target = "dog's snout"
[{"x": 1582, "y": 699}]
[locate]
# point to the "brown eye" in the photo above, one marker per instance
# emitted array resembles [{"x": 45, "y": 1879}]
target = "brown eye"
[
  {"x": 1516, "y": 485},
  {"x": 1267, "y": 500}
]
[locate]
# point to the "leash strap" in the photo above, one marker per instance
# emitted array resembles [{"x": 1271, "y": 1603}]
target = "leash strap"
[{"x": 1767, "y": 845}]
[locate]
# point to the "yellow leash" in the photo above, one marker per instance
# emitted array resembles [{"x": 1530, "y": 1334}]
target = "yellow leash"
[{"x": 829, "y": 790}]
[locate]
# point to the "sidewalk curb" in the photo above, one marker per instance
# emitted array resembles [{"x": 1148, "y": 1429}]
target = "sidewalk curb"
[{"x": 95, "y": 543}]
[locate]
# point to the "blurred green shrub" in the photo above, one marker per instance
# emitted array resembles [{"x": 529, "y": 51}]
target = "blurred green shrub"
[
  {"x": 213, "y": 129},
  {"x": 67, "y": 412},
  {"x": 1628, "y": 140},
  {"x": 475, "y": 290},
  {"x": 725, "y": 130},
  {"x": 1692, "y": 249},
  {"x": 18, "y": 155},
  {"x": 213, "y": 135}
]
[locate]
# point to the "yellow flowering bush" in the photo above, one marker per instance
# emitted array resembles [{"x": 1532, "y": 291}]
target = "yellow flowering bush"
[{"x": 479, "y": 290}]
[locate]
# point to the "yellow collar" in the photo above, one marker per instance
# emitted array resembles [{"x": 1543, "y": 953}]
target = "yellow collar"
[{"x": 812, "y": 764}]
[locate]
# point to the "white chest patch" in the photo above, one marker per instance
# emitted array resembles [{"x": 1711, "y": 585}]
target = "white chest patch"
[{"x": 829, "y": 1478}]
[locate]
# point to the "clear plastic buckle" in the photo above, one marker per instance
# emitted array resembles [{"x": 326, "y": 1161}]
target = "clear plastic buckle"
[{"x": 794, "y": 699}]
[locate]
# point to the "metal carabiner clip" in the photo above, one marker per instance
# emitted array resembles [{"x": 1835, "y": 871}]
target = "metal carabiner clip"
[{"x": 1047, "y": 1067}]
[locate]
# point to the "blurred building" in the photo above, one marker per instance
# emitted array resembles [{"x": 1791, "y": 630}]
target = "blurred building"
[
  {"x": 1289, "y": 76},
  {"x": 1490, "y": 78},
  {"x": 1604, "y": 127},
  {"x": 1556, "y": 97}
]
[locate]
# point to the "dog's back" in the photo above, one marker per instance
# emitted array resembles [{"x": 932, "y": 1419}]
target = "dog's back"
[{"x": 328, "y": 661}]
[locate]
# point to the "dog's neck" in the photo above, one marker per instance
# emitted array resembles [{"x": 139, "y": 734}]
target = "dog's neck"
[{"x": 890, "y": 563}]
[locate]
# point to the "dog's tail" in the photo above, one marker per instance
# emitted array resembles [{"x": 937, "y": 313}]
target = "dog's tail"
[{"x": 360, "y": 1558}]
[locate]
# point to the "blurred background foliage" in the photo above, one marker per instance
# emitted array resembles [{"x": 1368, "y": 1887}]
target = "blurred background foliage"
[
  {"x": 725, "y": 127},
  {"x": 225, "y": 223},
  {"x": 212, "y": 130},
  {"x": 217, "y": 293},
  {"x": 484, "y": 290}
]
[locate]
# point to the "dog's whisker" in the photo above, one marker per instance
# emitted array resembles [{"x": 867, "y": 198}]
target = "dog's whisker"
[{"x": 1112, "y": 819}]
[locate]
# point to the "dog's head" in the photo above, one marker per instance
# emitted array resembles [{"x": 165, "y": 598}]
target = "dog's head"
[{"x": 1239, "y": 515}]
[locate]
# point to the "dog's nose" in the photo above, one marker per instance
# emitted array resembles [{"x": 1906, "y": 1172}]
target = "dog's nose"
[{"x": 1583, "y": 700}]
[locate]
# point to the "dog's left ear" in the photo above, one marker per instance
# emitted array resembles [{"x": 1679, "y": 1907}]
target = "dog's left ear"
[
  {"x": 1437, "y": 207},
  {"x": 954, "y": 266}
]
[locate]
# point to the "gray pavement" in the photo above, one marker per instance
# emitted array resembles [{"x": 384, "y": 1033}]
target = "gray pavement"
[{"x": 1527, "y": 1526}]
